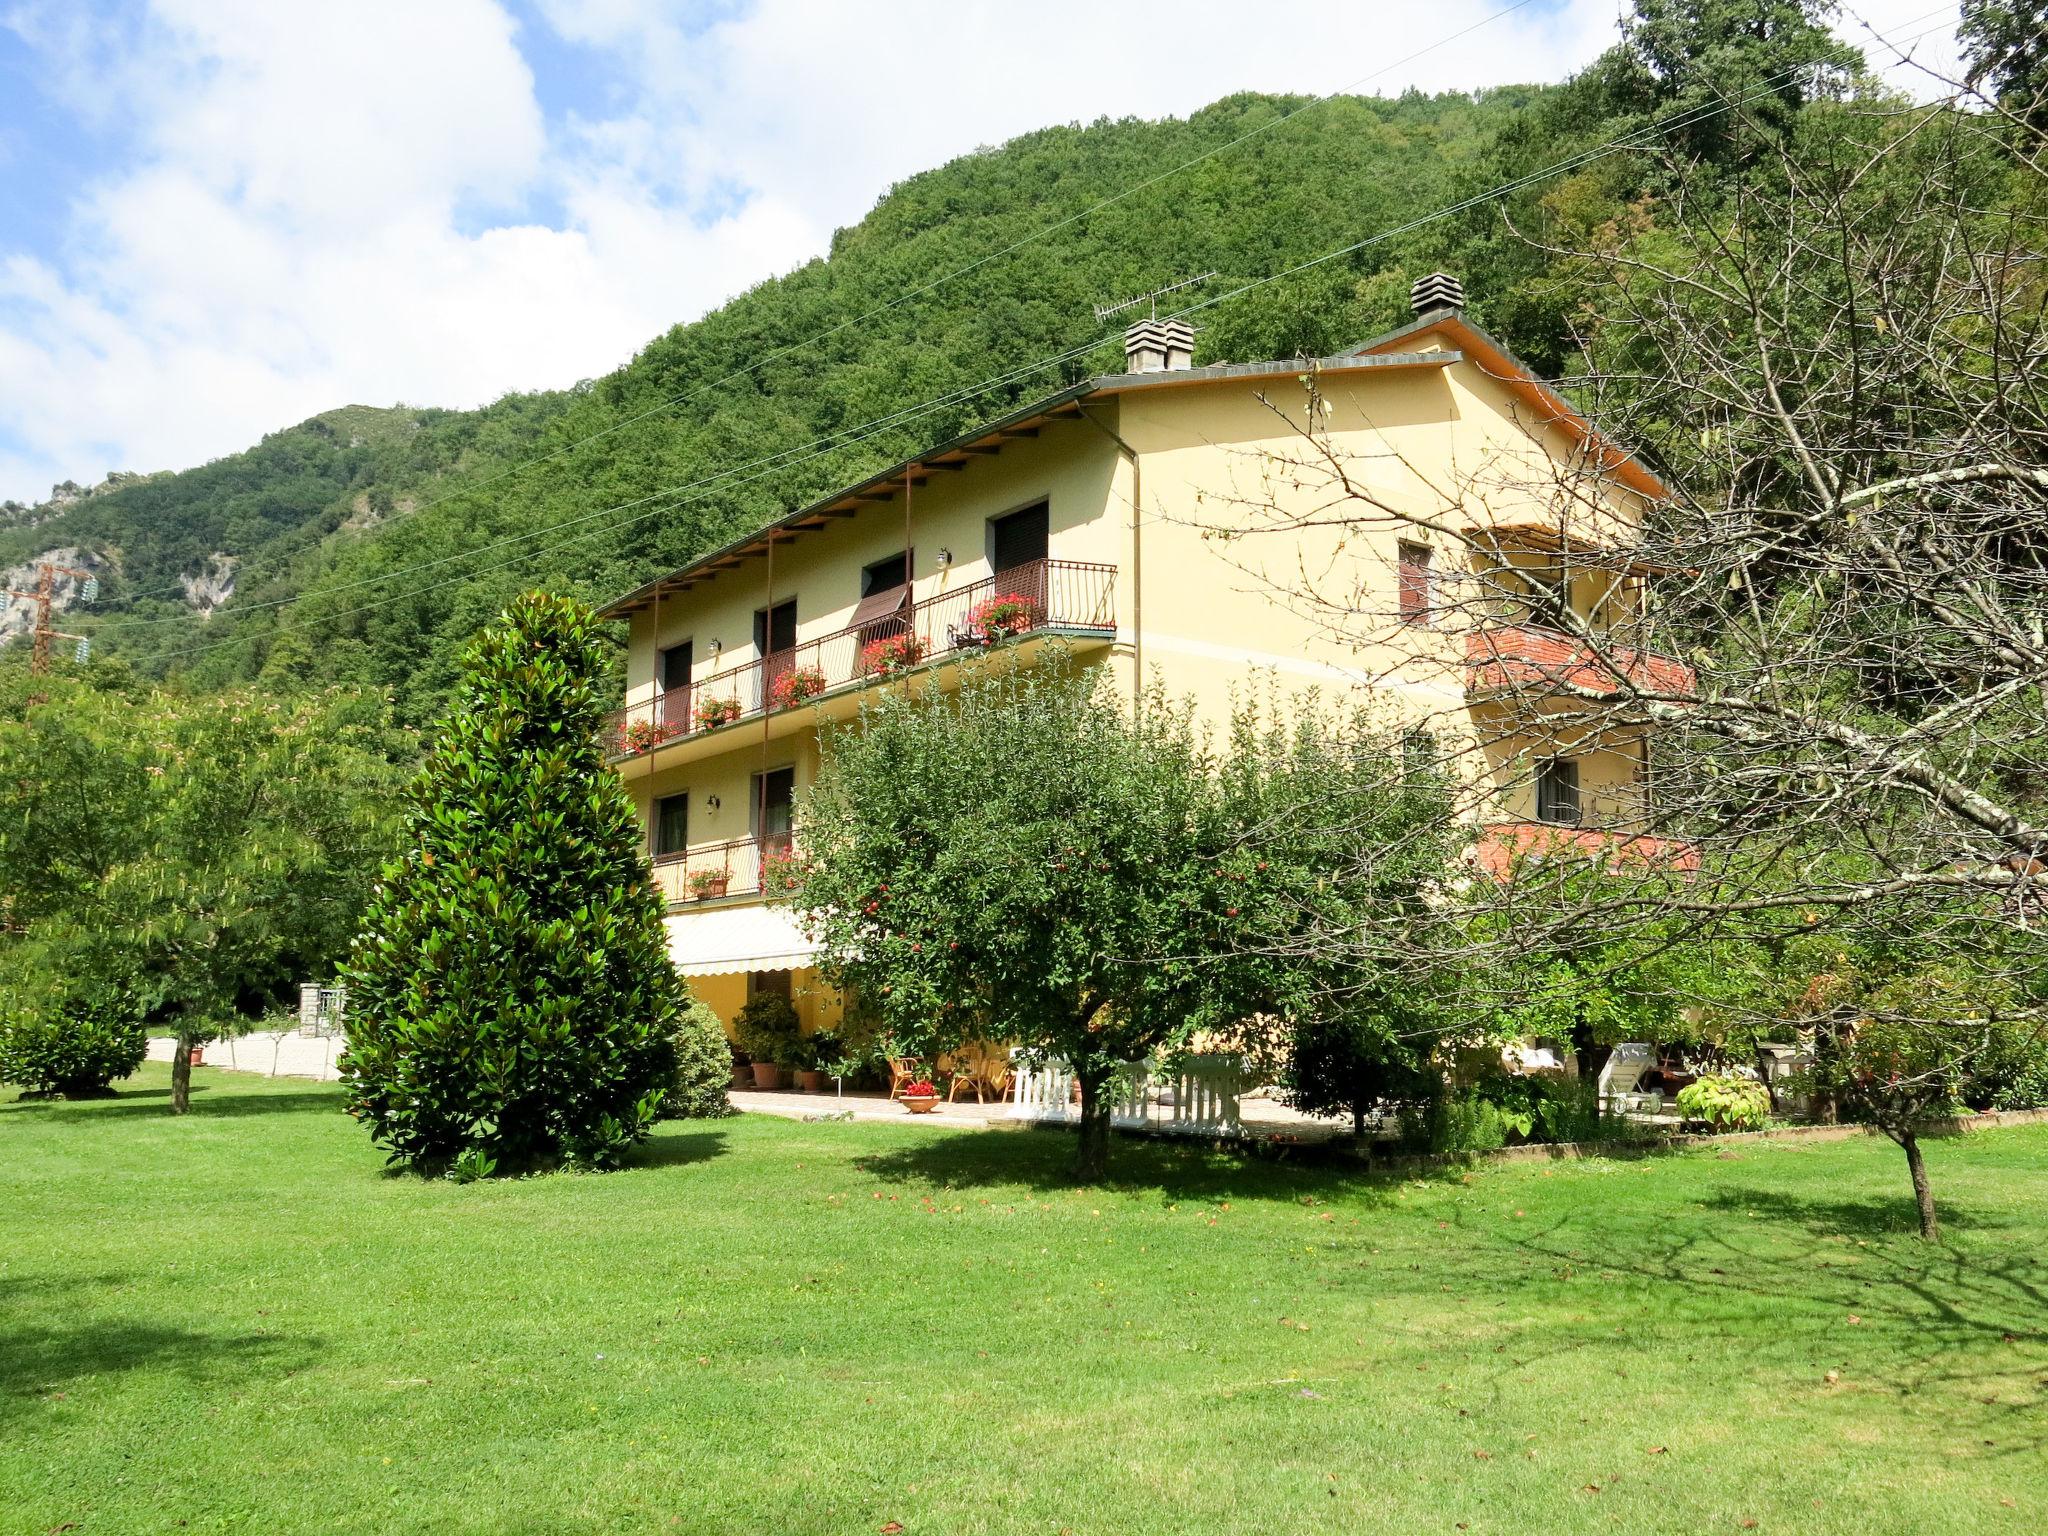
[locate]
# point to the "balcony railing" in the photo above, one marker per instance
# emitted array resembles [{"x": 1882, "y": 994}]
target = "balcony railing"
[
  {"x": 1503, "y": 658},
  {"x": 1503, "y": 843},
  {"x": 742, "y": 867},
  {"x": 1063, "y": 595}
]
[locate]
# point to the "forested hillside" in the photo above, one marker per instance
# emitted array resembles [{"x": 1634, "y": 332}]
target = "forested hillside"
[{"x": 366, "y": 546}]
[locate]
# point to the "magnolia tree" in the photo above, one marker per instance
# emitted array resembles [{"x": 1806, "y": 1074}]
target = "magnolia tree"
[
  {"x": 511, "y": 999},
  {"x": 1027, "y": 861}
]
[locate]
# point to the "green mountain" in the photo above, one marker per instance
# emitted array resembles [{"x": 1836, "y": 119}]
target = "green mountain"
[{"x": 366, "y": 545}]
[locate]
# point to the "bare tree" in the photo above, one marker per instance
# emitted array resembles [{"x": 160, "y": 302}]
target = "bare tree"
[{"x": 1823, "y": 656}]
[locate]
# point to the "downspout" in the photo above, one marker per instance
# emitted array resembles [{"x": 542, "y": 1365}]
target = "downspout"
[{"x": 1137, "y": 560}]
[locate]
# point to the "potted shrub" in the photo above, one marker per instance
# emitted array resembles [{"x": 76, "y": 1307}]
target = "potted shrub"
[
  {"x": 920, "y": 1097},
  {"x": 995, "y": 619},
  {"x": 710, "y": 713},
  {"x": 891, "y": 654},
  {"x": 707, "y": 883},
  {"x": 818, "y": 1049},
  {"x": 637, "y": 736},
  {"x": 796, "y": 685},
  {"x": 768, "y": 1032}
]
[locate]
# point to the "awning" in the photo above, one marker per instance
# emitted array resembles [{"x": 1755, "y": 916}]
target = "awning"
[
  {"x": 885, "y": 604},
  {"x": 729, "y": 940}
]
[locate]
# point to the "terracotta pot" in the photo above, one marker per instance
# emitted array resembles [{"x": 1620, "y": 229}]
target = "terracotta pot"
[
  {"x": 198, "y": 1057},
  {"x": 767, "y": 1075},
  {"x": 811, "y": 1082},
  {"x": 711, "y": 890},
  {"x": 741, "y": 1077},
  {"x": 923, "y": 1104}
]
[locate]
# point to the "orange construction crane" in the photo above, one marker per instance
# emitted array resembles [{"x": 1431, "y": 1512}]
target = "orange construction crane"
[{"x": 45, "y": 599}]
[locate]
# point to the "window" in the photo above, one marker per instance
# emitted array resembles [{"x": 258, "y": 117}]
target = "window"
[
  {"x": 884, "y": 575},
  {"x": 676, "y": 661},
  {"x": 775, "y": 628},
  {"x": 768, "y": 984},
  {"x": 1414, "y": 578},
  {"x": 1418, "y": 751},
  {"x": 1018, "y": 539},
  {"x": 1549, "y": 599},
  {"x": 1557, "y": 791},
  {"x": 774, "y": 806},
  {"x": 671, "y": 825}
]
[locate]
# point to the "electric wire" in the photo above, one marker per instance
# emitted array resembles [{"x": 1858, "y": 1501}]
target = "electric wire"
[
  {"x": 1621, "y": 143},
  {"x": 775, "y": 354}
]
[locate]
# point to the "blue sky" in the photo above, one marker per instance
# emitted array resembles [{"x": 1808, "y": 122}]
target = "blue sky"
[{"x": 218, "y": 217}]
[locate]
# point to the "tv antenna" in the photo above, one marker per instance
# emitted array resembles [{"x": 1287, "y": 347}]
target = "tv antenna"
[{"x": 1104, "y": 311}]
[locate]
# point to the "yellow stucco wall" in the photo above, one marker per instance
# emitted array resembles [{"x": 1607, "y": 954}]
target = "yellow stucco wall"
[{"x": 1213, "y": 567}]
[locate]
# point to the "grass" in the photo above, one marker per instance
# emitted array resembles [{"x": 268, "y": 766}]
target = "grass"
[{"x": 238, "y": 1322}]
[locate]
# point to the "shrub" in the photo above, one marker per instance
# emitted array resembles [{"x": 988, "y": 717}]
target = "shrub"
[
  {"x": 511, "y": 990},
  {"x": 703, "y": 1066},
  {"x": 72, "y": 1046},
  {"x": 1726, "y": 1103},
  {"x": 767, "y": 1030}
]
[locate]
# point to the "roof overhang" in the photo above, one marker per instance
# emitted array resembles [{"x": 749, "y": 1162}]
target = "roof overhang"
[
  {"x": 983, "y": 441},
  {"x": 1451, "y": 327}
]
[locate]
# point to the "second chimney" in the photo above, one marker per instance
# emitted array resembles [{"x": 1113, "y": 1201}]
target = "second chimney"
[
  {"x": 1159, "y": 346},
  {"x": 1438, "y": 291}
]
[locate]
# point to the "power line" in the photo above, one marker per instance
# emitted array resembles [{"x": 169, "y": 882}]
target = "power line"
[
  {"x": 1622, "y": 143},
  {"x": 774, "y": 354}
]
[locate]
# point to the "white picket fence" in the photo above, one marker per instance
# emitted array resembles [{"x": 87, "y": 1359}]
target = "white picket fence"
[{"x": 1198, "y": 1097}]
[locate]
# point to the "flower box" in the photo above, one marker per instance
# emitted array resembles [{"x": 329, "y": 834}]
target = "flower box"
[
  {"x": 795, "y": 686},
  {"x": 710, "y": 714},
  {"x": 709, "y": 883},
  {"x": 890, "y": 655},
  {"x": 995, "y": 619}
]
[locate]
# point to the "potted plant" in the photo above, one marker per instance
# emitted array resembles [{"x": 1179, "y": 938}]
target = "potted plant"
[
  {"x": 920, "y": 1097},
  {"x": 891, "y": 654},
  {"x": 817, "y": 1050},
  {"x": 768, "y": 1032},
  {"x": 742, "y": 1068},
  {"x": 637, "y": 736},
  {"x": 995, "y": 619},
  {"x": 709, "y": 883},
  {"x": 711, "y": 713},
  {"x": 793, "y": 687}
]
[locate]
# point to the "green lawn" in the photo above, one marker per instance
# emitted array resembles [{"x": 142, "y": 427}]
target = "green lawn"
[{"x": 238, "y": 1321}]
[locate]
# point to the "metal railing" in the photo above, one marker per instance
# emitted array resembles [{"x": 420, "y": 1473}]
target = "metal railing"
[
  {"x": 741, "y": 867},
  {"x": 1502, "y": 658},
  {"x": 1062, "y": 595}
]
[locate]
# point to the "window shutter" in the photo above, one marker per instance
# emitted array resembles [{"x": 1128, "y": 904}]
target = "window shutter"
[{"x": 1413, "y": 575}]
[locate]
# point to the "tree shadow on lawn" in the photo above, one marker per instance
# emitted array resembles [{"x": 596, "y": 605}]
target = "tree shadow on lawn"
[
  {"x": 1916, "y": 1318},
  {"x": 206, "y": 1104},
  {"x": 41, "y": 1361},
  {"x": 1042, "y": 1159},
  {"x": 673, "y": 1148}
]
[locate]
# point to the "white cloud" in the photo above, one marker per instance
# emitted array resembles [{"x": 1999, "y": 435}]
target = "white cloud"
[{"x": 325, "y": 204}]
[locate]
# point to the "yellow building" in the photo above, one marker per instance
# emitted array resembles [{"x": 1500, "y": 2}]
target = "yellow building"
[{"x": 1398, "y": 520}]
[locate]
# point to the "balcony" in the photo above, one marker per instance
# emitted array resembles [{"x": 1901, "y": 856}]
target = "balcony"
[
  {"x": 745, "y": 866},
  {"x": 1502, "y": 844},
  {"x": 1527, "y": 658},
  {"x": 1040, "y": 597}
]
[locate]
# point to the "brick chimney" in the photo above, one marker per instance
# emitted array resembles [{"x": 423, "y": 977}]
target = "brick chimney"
[
  {"x": 1438, "y": 293},
  {"x": 1159, "y": 346}
]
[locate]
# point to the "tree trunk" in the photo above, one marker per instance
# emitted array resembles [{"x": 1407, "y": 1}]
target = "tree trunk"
[
  {"x": 181, "y": 1075},
  {"x": 1091, "y": 1156},
  {"x": 1923, "y": 1192},
  {"x": 1358, "y": 1119}
]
